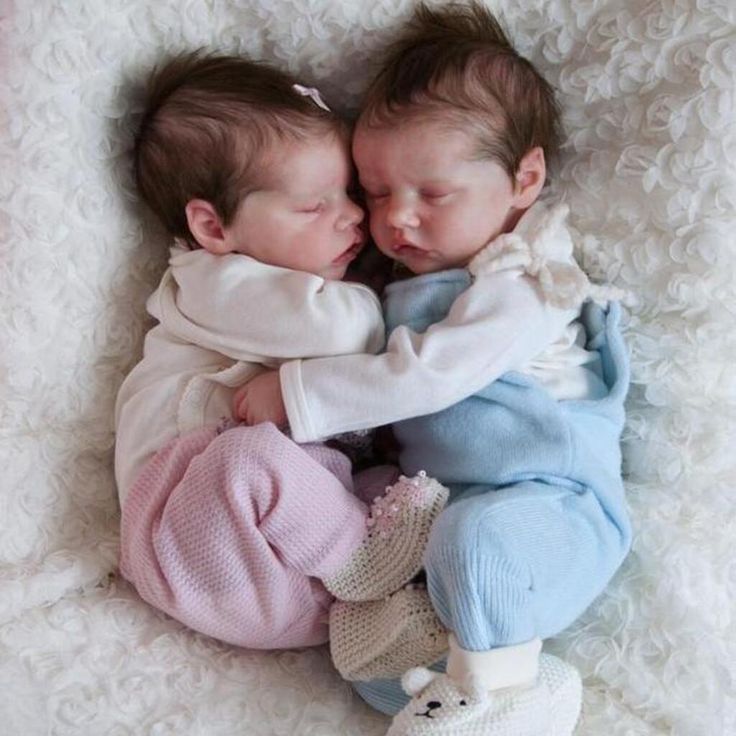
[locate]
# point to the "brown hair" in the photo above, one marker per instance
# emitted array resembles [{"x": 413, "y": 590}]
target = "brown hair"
[
  {"x": 457, "y": 61},
  {"x": 208, "y": 122}
]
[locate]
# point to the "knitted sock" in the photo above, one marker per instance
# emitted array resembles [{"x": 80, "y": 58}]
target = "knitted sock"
[
  {"x": 377, "y": 639},
  {"x": 510, "y": 666},
  {"x": 391, "y": 553}
]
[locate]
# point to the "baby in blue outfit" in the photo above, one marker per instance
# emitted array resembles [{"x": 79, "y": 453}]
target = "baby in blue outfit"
[{"x": 504, "y": 375}]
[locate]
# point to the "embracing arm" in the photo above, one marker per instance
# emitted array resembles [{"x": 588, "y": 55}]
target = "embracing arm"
[
  {"x": 250, "y": 311},
  {"x": 496, "y": 325}
]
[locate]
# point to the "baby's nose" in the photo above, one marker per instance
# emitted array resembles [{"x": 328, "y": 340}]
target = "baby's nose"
[
  {"x": 352, "y": 215},
  {"x": 401, "y": 213}
]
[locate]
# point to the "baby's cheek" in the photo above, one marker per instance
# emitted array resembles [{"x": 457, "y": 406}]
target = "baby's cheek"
[
  {"x": 380, "y": 233},
  {"x": 376, "y": 219},
  {"x": 478, "y": 229}
]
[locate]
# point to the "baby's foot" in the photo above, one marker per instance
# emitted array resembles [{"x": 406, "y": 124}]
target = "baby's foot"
[
  {"x": 550, "y": 707},
  {"x": 382, "y": 639},
  {"x": 398, "y": 527}
]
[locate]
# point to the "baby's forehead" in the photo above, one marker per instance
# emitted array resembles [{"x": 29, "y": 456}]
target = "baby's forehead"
[
  {"x": 415, "y": 143},
  {"x": 424, "y": 128},
  {"x": 307, "y": 164}
]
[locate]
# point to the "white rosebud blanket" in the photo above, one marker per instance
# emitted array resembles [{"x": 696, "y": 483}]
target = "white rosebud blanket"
[{"x": 649, "y": 173}]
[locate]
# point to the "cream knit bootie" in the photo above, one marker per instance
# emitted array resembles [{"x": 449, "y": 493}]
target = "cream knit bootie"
[
  {"x": 382, "y": 639},
  {"x": 391, "y": 554},
  {"x": 549, "y": 706}
]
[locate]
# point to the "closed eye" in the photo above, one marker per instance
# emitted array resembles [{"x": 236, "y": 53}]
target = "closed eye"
[
  {"x": 312, "y": 209},
  {"x": 435, "y": 196}
]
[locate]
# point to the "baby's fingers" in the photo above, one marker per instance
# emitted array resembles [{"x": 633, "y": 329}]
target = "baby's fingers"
[{"x": 240, "y": 402}]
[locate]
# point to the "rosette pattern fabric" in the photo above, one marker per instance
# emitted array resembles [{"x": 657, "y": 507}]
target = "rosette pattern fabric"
[{"x": 648, "y": 170}]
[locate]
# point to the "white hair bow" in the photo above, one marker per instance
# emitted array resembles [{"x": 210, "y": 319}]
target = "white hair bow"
[{"x": 312, "y": 92}]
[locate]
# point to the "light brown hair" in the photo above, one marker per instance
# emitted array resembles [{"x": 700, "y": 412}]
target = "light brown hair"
[
  {"x": 457, "y": 62},
  {"x": 209, "y": 120}
]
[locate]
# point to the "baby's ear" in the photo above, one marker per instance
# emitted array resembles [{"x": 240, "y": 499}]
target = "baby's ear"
[
  {"x": 206, "y": 227},
  {"x": 530, "y": 178},
  {"x": 416, "y": 679}
]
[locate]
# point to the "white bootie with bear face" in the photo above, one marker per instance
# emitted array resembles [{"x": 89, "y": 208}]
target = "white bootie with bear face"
[{"x": 440, "y": 706}]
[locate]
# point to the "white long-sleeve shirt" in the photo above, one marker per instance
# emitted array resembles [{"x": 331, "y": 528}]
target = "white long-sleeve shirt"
[
  {"x": 519, "y": 313},
  {"x": 222, "y": 320}
]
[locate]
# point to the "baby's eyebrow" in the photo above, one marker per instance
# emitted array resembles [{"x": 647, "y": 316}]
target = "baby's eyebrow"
[
  {"x": 319, "y": 186},
  {"x": 437, "y": 182}
]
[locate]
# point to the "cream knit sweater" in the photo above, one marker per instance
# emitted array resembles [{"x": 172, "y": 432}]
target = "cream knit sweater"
[{"x": 221, "y": 320}]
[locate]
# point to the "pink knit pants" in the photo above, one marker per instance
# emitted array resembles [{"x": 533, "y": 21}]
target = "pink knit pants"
[{"x": 229, "y": 533}]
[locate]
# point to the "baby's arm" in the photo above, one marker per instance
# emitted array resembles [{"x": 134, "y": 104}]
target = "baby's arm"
[
  {"x": 496, "y": 325},
  {"x": 249, "y": 311}
]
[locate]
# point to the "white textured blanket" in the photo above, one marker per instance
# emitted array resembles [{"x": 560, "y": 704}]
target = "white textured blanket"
[{"x": 649, "y": 170}]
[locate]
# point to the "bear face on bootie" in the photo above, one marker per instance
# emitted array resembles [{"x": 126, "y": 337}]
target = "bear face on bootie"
[{"x": 440, "y": 707}]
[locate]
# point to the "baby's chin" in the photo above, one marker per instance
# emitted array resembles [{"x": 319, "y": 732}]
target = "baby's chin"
[
  {"x": 419, "y": 261},
  {"x": 420, "y": 266}
]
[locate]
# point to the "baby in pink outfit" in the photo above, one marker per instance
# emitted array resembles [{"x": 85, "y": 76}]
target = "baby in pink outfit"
[{"x": 238, "y": 531}]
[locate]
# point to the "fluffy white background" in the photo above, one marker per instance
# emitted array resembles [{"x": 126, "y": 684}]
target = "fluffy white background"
[{"x": 649, "y": 170}]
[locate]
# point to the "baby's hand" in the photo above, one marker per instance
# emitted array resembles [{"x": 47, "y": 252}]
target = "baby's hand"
[{"x": 260, "y": 400}]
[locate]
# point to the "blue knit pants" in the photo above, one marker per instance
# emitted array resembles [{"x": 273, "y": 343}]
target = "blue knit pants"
[{"x": 537, "y": 524}]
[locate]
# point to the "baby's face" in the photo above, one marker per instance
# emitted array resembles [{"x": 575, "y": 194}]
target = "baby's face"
[
  {"x": 432, "y": 205},
  {"x": 303, "y": 218}
]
